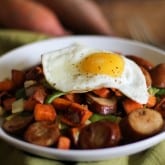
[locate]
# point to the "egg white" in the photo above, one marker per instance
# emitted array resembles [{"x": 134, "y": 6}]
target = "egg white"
[{"x": 62, "y": 72}]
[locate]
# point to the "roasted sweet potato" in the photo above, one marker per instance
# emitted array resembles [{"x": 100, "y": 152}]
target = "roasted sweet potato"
[{"x": 29, "y": 15}]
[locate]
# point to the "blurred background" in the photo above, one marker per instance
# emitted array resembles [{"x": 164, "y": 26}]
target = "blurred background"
[{"x": 142, "y": 20}]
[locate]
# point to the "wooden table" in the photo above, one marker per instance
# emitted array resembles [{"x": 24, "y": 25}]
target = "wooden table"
[{"x": 142, "y": 20}]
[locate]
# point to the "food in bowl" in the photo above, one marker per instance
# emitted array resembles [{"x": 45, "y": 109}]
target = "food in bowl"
[{"x": 83, "y": 98}]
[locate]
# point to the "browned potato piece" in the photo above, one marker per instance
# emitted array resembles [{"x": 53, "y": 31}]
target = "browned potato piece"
[
  {"x": 102, "y": 105},
  {"x": 42, "y": 133},
  {"x": 140, "y": 124},
  {"x": 141, "y": 61},
  {"x": 158, "y": 76},
  {"x": 99, "y": 134}
]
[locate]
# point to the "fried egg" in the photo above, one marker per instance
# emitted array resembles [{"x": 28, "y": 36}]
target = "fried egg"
[{"x": 78, "y": 68}]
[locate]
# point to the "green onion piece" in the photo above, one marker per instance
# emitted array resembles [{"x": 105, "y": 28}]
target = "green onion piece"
[
  {"x": 96, "y": 117},
  {"x": 51, "y": 97},
  {"x": 62, "y": 126},
  {"x": 18, "y": 106},
  {"x": 153, "y": 90},
  {"x": 161, "y": 92},
  {"x": 156, "y": 91},
  {"x": 20, "y": 93},
  {"x": 29, "y": 83},
  {"x": 9, "y": 117},
  {"x": 46, "y": 84}
]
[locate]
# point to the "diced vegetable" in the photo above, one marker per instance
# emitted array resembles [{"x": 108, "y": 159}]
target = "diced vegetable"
[
  {"x": 30, "y": 90},
  {"x": 20, "y": 93},
  {"x": 130, "y": 105},
  {"x": 63, "y": 143},
  {"x": 74, "y": 134},
  {"x": 18, "y": 106},
  {"x": 29, "y": 104},
  {"x": 7, "y": 103},
  {"x": 55, "y": 94},
  {"x": 151, "y": 101},
  {"x": 161, "y": 92},
  {"x": 39, "y": 94},
  {"x": 76, "y": 115},
  {"x": 44, "y": 112},
  {"x": 103, "y": 92},
  {"x": 117, "y": 92},
  {"x": 18, "y": 77},
  {"x": 96, "y": 117},
  {"x": 6, "y": 85},
  {"x": 29, "y": 83},
  {"x": 74, "y": 97},
  {"x": 61, "y": 104},
  {"x": 62, "y": 126},
  {"x": 153, "y": 91},
  {"x": 156, "y": 91}
]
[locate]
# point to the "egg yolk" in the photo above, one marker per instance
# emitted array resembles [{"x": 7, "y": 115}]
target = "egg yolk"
[{"x": 103, "y": 63}]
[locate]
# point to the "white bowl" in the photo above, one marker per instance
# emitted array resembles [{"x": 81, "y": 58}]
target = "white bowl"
[{"x": 29, "y": 55}]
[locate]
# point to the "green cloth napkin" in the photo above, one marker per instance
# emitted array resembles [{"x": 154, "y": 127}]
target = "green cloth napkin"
[
  {"x": 10, "y": 39},
  {"x": 9, "y": 155}
]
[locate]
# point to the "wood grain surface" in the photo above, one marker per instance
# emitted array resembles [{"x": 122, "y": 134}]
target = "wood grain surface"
[{"x": 142, "y": 20}]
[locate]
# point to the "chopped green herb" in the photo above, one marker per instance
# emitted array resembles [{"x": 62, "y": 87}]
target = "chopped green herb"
[
  {"x": 20, "y": 93},
  {"x": 96, "y": 117},
  {"x": 156, "y": 91},
  {"x": 55, "y": 94}
]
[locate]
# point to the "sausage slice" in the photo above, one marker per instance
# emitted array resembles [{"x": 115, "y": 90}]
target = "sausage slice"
[
  {"x": 140, "y": 124},
  {"x": 42, "y": 133},
  {"x": 15, "y": 124},
  {"x": 100, "y": 134},
  {"x": 158, "y": 76},
  {"x": 141, "y": 61},
  {"x": 101, "y": 105}
]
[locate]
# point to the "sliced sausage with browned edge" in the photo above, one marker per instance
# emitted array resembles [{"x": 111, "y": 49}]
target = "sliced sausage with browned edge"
[
  {"x": 99, "y": 134},
  {"x": 101, "y": 105},
  {"x": 141, "y": 61},
  {"x": 140, "y": 124},
  {"x": 158, "y": 76},
  {"x": 16, "y": 123},
  {"x": 42, "y": 133}
]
